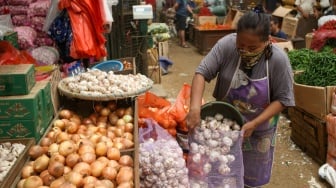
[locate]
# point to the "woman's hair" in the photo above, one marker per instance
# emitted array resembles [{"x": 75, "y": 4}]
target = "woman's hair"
[{"x": 258, "y": 23}]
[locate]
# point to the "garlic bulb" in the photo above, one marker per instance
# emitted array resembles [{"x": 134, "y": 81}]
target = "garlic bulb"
[{"x": 95, "y": 82}]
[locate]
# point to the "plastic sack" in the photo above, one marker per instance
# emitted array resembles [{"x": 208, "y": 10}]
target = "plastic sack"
[
  {"x": 39, "y": 8},
  {"x": 21, "y": 20},
  {"x": 26, "y": 36},
  {"x": 160, "y": 158},
  {"x": 215, "y": 156},
  {"x": 5, "y": 24},
  {"x": 19, "y": 2},
  {"x": 37, "y": 22},
  {"x": 45, "y": 55},
  {"x": 52, "y": 13},
  {"x": 181, "y": 106},
  {"x": 9, "y": 55},
  {"x": 152, "y": 106},
  {"x": 18, "y": 9}
]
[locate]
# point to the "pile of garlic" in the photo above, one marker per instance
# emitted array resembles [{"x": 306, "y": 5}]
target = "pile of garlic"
[
  {"x": 95, "y": 82},
  {"x": 8, "y": 156},
  {"x": 162, "y": 164},
  {"x": 211, "y": 150}
]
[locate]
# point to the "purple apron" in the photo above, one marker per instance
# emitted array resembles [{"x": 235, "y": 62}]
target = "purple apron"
[{"x": 251, "y": 97}]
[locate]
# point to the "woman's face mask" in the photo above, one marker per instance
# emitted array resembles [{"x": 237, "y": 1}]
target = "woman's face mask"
[{"x": 250, "y": 58}]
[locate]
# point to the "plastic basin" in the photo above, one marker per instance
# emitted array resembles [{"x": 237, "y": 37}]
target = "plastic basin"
[{"x": 111, "y": 65}]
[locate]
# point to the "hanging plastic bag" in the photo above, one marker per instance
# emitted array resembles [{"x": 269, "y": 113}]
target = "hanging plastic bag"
[
  {"x": 215, "y": 155},
  {"x": 160, "y": 158},
  {"x": 182, "y": 104},
  {"x": 53, "y": 12},
  {"x": 9, "y": 55}
]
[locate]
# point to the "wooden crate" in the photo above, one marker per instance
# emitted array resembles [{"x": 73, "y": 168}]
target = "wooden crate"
[
  {"x": 20, "y": 161},
  {"x": 309, "y": 133}
]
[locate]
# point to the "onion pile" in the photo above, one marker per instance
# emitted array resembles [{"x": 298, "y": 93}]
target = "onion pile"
[{"x": 84, "y": 152}]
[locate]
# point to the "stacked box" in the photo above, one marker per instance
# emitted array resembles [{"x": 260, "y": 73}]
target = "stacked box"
[
  {"x": 27, "y": 116},
  {"x": 16, "y": 79},
  {"x": 11, "y": 37},
  {"x": 47, "y": 105},
  {"x": 309, "y": 133}
]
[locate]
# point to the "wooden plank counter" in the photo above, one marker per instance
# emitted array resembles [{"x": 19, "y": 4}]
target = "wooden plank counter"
[{"x": 204, "y": 40}]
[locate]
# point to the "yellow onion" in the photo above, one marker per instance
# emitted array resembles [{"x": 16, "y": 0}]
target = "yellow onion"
[
  {"x": 56, "y": 169},
  {"x": 66, "y": 147},
  {"x": 88, "y": 157},
  {"x": 27, "y": 171},
  {"x": 109, "y": 173},
  {"x": 75, "y": 178},
  {"x": 101, "y": 149},
  {"x": 36, "y": 151},
  {"x": 59, "y": 124},
  {"x": 72, "y": 159},
  {"x": 56, "y": 157},
  {"x": 47, "y": 178},
  {"x": 125, "y": 174},
  {"x": 126, "y": 160},
  {"x": 32, "y": 182},
  {"x": 113, "y": 153},
  {"x": 41, "y": 163},
  {"x": 105, "y": 111},
  {"x": 82, "y": 168},
  {"x": 58, "y": 182},
  {"x": 97, "y": 168},
  {"x": 65, "y": 113}
]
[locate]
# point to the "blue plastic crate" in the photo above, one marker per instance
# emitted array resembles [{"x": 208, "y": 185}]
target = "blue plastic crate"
[{"x": 110, "y": 65}]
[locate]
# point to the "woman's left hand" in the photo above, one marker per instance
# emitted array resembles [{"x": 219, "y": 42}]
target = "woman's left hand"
[{"x": 248, "y": 128}]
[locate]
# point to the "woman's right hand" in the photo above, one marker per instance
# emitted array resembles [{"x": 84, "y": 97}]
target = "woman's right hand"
[{"x": 193, "y": 118}]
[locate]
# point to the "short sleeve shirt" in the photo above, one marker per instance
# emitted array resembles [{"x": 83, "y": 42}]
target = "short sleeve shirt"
[{"x": 223, "y": 61}]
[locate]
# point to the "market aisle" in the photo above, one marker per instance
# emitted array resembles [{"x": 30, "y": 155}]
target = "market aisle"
[{"x": 292, "y": 167}]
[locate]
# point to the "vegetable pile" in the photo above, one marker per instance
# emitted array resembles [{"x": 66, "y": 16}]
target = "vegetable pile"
[
  {"x": 324, "y": 35},
  {"x": 84, "y": 152},
  {"x": 95, "y": 82},
  {"x": 319, "y": 68},
  {"x": 8, "y": 155}
]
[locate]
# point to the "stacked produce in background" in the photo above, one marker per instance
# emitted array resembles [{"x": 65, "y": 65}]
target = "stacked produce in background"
[
  {"x": 315, "y": 78},
  {"x": 28, "y": 18}
]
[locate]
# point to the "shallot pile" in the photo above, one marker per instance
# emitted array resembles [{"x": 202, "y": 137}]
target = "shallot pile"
[
  {"x": 95, "y": 82},
  {"x": 213, "y": 150},
  {"x": 9, "y": 152},
  {"x": 84, "y": 152}
]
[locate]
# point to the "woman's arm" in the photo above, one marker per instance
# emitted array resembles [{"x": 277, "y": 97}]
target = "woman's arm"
[
  {"x": 274, "y": 108},
  {"x": 197, "y": 88}
]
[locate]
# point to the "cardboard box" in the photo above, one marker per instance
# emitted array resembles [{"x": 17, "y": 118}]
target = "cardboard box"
[
  {"x": 288, "y": 23},
  {"x": 283, "y": 43},
  {"x": 47, "y": 105},
  {"x": 22, "y": 107},
  {"x": 22, "y": 129},
  {"x": 233, "y": 17},
  {"x": 11, "y": 37},
  {"x": 163, "y": 49},
  {"x": 16, "y": 79},
  {"x": 289, "y": 26},
  {"x": 154, "y": 73},
  {"x": 200, "y": 20},
  {"x": 308, "y": 39},
  {"x": 314, "y": 100}
]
